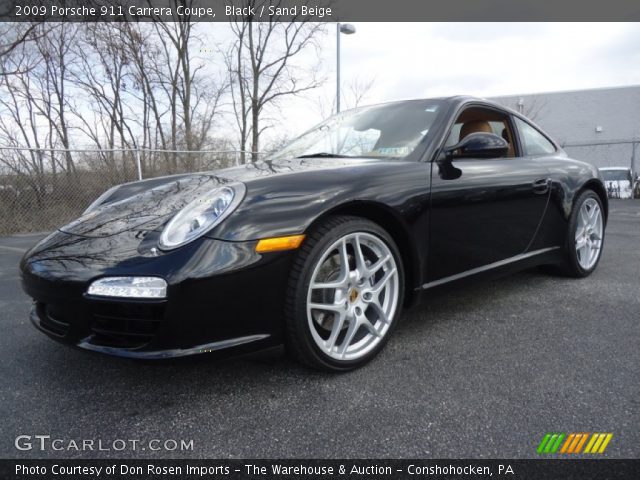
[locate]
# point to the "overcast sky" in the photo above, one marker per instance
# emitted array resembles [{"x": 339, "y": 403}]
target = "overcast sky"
[{"x": 414, "y": 60}]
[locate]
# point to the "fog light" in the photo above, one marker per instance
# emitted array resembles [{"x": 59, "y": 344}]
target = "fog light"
[{"x": 129, "y": 287}]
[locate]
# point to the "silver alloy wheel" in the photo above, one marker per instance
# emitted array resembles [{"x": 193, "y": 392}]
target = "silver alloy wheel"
[
  {"x": 589, "y": 228},
  {"x": 353, "y": 296}
]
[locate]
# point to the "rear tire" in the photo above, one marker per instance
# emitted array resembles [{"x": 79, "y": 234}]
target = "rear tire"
[
  {"x": 585, "y": 236},
  {"x": 344, "y": 296}
]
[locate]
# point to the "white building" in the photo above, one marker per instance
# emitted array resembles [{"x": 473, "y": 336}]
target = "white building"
[{"x": 600, "y": 126}]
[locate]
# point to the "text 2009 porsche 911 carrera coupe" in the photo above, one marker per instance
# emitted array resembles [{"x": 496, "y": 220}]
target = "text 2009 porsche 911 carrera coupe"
[{"x": 320, "y": 246}]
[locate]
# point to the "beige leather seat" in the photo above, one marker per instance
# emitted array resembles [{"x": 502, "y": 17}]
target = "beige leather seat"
[{"x": 474, "y": 126}]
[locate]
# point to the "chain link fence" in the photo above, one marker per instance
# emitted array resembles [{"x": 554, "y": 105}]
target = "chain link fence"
[{"x": 42, "y": 189}]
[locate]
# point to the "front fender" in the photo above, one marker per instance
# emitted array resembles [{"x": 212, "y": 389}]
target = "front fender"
[{"x": 288, "y": 205}]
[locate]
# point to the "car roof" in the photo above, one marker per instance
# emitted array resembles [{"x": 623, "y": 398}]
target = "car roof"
[
  {"x": 462, "y": 99},
  {"x": 614, "y": 168},
  {"x": 454, "y": 99}
]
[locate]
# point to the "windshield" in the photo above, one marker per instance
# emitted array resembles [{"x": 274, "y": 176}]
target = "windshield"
[
  {"x": 610, "y": 175},
  {"x": 386, "y": 131}
]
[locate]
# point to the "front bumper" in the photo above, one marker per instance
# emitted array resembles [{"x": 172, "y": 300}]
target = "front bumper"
[
  {"x": 221, "y": 296},
  {"x": 93, "y": 343}
]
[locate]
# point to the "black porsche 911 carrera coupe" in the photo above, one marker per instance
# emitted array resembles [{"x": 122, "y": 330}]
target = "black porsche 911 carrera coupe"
[{"x": 320, "y": 246}]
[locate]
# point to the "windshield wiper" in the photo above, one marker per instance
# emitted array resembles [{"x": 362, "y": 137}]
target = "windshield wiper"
[{"x": 324, "y": 155}]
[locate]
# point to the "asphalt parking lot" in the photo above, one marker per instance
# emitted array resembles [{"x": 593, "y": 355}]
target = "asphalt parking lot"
[{"x": 481, "y": 371}]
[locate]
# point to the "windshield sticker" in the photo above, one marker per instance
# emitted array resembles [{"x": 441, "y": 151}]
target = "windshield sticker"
[{"x": 393, "y": 151}]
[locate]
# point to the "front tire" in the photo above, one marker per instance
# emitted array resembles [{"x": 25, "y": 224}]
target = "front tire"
[{"x": 345, "y": 294}]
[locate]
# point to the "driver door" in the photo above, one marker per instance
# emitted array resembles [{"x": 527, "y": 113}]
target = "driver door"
[{"x": 491, "y": 211}]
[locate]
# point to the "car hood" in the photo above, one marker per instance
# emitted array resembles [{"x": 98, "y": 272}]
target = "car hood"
[
  {"x": 147, "y": 205},
  {"x": 267, "y": 168}
]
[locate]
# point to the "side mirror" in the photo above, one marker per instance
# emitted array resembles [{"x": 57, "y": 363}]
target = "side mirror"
[{"x": 479, "y": 145}]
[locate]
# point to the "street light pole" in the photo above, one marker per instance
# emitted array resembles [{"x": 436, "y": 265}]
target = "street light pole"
[
  {"x": 338, "y": 67},
  {"x": 347, "y": 29}
]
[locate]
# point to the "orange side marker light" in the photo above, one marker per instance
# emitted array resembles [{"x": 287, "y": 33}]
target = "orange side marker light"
[{"x": 277, "y": 244}]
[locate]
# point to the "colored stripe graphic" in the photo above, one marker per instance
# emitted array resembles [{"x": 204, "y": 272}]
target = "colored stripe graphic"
[
  {"x": 598, "y": 443},
  {"x": 605, "y": 443},
  {"x": 555, "y": 447},
  {"x": 583, "y": 438},
  {"x": 593, "y": 439},
  {"x": 543, "y": 442},
  {"x": 577, "y": 438},
  {"x": 565, "y": 447},
  {"x": 551, "y": 442},
  {"x": 572, "y": 443},
  {"x": 596, "y": 446}
]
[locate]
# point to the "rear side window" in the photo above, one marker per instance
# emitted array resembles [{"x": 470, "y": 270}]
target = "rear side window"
[{"x": 533, "y": 142}]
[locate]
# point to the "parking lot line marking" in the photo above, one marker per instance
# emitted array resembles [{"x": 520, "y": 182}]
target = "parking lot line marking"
[{"x": 13, "y": 249}]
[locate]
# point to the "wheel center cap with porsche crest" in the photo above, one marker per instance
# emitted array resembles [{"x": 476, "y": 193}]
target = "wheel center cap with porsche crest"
[{"x": 353, "y": 295}]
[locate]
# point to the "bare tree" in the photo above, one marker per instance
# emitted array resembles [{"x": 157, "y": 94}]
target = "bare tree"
[
  {"x": 56, "y": 48},
  {"x": 239, "y": 85},
  {"x": 139, "y": 43},
  {"x": 19, "y": 126},
  {"x": 103, "y": 74},
  {"x": 35, "y": 102},
  {"x": 119, "y": 85},
  {"x": 115, "y": 85},
  {"x": 262, "y": 69},
  {"x": 116, "y": 78},
  {"x": 354, "y": 94},
  {"x": 177, "y": 78},
  {"x": 357, "y": 91},
  {"x": 13, "y": 36}
]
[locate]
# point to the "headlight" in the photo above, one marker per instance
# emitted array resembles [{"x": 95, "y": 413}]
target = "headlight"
[{"x": 201, "y": 215}]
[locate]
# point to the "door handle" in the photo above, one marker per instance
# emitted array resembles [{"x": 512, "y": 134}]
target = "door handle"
[{"x": 541, "y": 186}]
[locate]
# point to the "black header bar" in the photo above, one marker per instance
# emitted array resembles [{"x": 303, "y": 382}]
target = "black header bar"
[
  {"x": 320, "y": 10},
  {"x": 583, "y": 469}
]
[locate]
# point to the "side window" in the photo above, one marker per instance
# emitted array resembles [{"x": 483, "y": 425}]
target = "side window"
[
  {"x": 478, "y": 119},
  {"x": 533, "y": 142}
]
